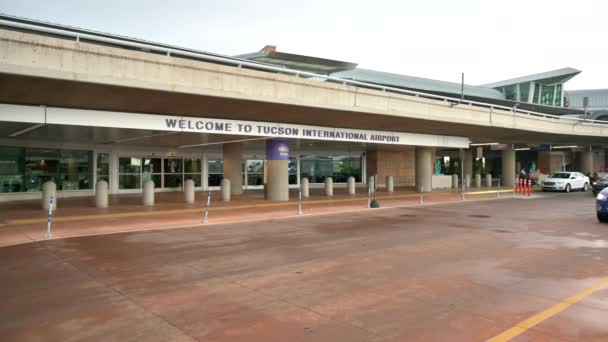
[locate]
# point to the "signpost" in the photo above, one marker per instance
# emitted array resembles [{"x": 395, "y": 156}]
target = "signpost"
[
  {"x": 207, "y": 208},
  {"x": 49, "y": 234}
]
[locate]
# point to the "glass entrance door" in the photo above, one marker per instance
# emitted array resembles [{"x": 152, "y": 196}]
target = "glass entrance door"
[{"x": 168, "y": 174}]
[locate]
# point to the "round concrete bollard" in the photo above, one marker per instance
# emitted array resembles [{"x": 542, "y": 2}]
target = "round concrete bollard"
[
  {"x": 189, "y": 191},
  {"x": 49, "y": 188},
  {"x": 489, "y": 180},
  {"x": 304, "y": 184},
  {"x": 477, "y": 180},
  {"x": 371, "y": 183},
  {"x": 101, "y": 194},
  {"x": 467, "y": 181},
  {"x": 148, "y": 195},
  {"x": 225, "y": 190},
  {"x": 390, "y": 184},
  {"x": 350, "y": 182},
  {"x": 329, "y": 187},
  {"x": 455, "y": 181}
]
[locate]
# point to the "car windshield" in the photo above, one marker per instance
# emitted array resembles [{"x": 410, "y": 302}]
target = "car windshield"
[
  {"x": 604, "y": 178},
  {"x": 561, "y": 175}
]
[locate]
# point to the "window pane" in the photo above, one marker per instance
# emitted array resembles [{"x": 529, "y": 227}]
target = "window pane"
[
  {"x": 41, "y": 165},
  {"x": 173, "y": 165},
  {"x": 255, "y": 179},
  {"x": 216, "y": 172},
  {"x": 215, "y": 179},
  {"x": 292, "y": 165},
  {"x": 129, "y": 165},
  {"x": 103, "y": 163},
  {"x": 255, "y": 166},
  {"x": 173, "y": 181},
  {"x": 156, "y": 178},
  {"x": 216, "y": 166},
  {"x": 75, "y": 170},
  {"x": 192, "y": 165},
  {"x": 195, "y": 177},
  {"x": 12, "y": 163},
  {"x": 129, "y": 181},
  {"x": 524, "y": 90},
  {"x": 151, "y": 165}
]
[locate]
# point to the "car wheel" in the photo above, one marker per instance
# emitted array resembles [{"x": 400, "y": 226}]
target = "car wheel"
[
  {"x": 567, "y": 189},
  {"x": 602, "y": 218},
  {"x": 586, "y": 187}
]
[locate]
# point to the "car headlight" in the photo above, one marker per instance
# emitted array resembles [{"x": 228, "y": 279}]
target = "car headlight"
[
  {"x": 601, "y": 197},
  {"x": 594, "y": 183}
]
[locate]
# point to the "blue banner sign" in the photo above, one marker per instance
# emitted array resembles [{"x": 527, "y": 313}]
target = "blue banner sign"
[{"x": 277, "y": 149}]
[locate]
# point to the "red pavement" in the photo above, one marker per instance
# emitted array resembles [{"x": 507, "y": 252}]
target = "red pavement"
[{"x": 25, "y": 221}]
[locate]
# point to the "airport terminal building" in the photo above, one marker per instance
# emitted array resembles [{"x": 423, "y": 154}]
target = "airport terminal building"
[{"x": 78, "y": 106}]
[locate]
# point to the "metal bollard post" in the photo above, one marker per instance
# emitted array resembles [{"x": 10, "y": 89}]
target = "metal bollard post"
[
  {"x": 300, "y": 201},
  {"x": 369, "y": 196},
  {"x": 422, "y": 195},
  {"x": 49, "y": 234},
  {"x": 207, "y": 208}
]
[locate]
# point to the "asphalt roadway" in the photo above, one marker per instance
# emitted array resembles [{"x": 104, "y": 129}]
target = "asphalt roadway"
[{"x": 509, "y": 269}]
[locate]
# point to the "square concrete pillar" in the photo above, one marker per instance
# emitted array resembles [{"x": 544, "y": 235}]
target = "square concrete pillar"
[
  {"x": 508, "y": 168},
  {"x": 424, "y": 168},
  {"x": 233, "y": 168},
  {"x": 277, "y": 169}
]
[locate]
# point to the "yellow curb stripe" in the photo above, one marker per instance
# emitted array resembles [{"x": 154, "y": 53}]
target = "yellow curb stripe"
[
  {"x": 552, "y": 311},
  {"x": 195, "y": 210}
]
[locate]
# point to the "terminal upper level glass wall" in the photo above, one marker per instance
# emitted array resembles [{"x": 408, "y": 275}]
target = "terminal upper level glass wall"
[{"x": 543, "y": 94}]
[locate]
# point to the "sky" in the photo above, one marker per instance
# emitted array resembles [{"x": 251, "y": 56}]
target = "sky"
[{"x": 488, "y": 40}]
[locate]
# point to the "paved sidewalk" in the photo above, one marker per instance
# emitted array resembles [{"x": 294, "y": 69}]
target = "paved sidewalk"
[{"x": 25, "y": 221}]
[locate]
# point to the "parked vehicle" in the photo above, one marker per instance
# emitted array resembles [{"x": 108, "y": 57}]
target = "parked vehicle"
[
  {"x": 600, "y": 184},
  {"x": 601, "y": 204},
  {"x": 566, "y": 181}
]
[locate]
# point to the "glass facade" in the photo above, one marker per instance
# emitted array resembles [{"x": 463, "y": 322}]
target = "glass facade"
[
  {"x": 167, "y": 173},
  {"x": 215, "y": 172},
  {"x": 103, "y": 167},
  {"x": 255, "y": 172},
  {"x": 316, "y": 169},
  {"x": 24, "y": 169},
  {"x": 524, "y": 90}
]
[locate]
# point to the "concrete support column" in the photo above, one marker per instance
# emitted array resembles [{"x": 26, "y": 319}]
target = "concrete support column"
[
  {"x": 468, "y": 167},
  {"x": 390, "y": 184},
  {"x": 350, "y": 183},
  {"x": 305, "y": 187},
  {"x": 508, "y": 168},
  {"x": 277, "y": 170},
  {"x": 477, "y": 180},
  {"x": 424, "y": 168},
  {"x": 233, "y": 168},
  {"x": 585, "y": 162},
  {"x": 49, "y": 188},
  {"x": 101, "y": 194},
  {"x": 189, "y": 191},
  {"x": 148, "y": 195},
  {"x": 329, "y": 187}
]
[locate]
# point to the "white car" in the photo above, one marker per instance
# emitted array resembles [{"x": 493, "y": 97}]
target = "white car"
[{"x": 566, "y": 181}]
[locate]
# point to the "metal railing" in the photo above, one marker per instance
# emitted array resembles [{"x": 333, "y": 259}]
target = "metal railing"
[{"x": 97, "y": 37}]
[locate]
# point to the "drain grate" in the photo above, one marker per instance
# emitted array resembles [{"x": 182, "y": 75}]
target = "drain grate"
[
  {"x": 502, "y": 231},
  {"x": 480, "y": 216}
]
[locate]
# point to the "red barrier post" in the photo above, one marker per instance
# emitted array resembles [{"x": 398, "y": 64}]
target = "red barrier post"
[
  {"x": 529, "y": 187},
  {"x": 516, "y": 185}
]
